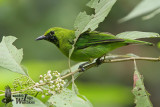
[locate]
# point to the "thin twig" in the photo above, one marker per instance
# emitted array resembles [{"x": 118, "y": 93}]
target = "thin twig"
[
  {"x": 107, "y": 60},
  {"x": 132, "y": 58}
]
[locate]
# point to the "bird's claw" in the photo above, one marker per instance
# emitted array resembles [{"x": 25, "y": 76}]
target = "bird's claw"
[
  {"x": 82, "y": 66},
  {"x": 99, "y": 61}
]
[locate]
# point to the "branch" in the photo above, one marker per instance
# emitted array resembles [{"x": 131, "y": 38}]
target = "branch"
[
  {"x": 107, "y": 59},
  {"x": 132, "y": 58}
]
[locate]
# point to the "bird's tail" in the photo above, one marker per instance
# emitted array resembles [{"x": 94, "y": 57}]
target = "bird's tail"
[{"x": 128, "y": 41}]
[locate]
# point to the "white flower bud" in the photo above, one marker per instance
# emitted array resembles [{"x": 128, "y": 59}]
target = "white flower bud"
[
  {"x": 49, "y": 75},
  {"x": 49, "y": 91},
  {"x": 43, "y": 96},
  {"x": 49, "y": 72},
  {"x": 59, "y": 79},
  {"x": 61, "y": 84},
  {"x": 56, "y": 72},
  {"x": 51, "y": 82},
  {"x": 58, "y": 85},
  {"x": 45, "y": 80},
  {"x": 37, "y": 83},
  {"x": 57, "y": 75},
  {"x": 51, "y": 87},
  {"x": 57, "y": 89},
  {"x": 41, "y": 81},
  {"x": 38, "y": 89}
]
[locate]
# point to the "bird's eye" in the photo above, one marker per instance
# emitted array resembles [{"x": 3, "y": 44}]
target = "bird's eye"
[{"x": 52, "y": 32}]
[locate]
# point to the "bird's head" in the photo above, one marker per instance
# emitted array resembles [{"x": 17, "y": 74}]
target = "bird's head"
[{"x": 51, "y": 35}]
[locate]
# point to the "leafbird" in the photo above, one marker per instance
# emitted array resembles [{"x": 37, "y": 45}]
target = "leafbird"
[{"x": 90, "y": 44}]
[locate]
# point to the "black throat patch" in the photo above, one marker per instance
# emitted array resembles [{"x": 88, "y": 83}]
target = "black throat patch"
[{"x": 54, "y": 40}]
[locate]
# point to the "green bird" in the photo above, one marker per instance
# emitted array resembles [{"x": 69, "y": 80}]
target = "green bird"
[{"x": 90, "y": 44}]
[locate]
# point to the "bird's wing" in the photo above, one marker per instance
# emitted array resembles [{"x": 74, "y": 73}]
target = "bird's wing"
[{"x": 94, "y": 38}]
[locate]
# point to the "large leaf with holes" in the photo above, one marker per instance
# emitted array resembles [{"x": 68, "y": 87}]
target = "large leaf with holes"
[
  {"x": 10, "y": 56},
  {"x": 68, "y": 98},
  {"x": 141, "y": 94}
]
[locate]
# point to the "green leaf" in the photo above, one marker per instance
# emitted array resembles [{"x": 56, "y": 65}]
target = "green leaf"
[
  {"x": 151, "y": 15},
  {"x": 81, "y": 22},
  {"x": 9, "y": 105},
  {"x": 37, "y": 102},
  {"x": 10, "y": 56},
  {"x": 68, "y": 99},
  {"x": 141, "y": 94},
  {"x": 145, "y": 6},
  {"x": 84, "y": 22},
  {"x": 137, "y": 35}
]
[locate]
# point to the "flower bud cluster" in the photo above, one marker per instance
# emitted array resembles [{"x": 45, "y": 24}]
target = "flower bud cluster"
[
  {"x": 50, "y": 83},
  {"x": 22, "y": 83}
]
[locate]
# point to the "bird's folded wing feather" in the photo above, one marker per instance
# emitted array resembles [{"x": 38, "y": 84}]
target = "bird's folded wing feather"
[{"x": 94, "y": 38}]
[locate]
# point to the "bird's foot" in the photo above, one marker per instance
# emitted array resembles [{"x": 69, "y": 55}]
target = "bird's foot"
[
  {"x": 82, "y": 66},
  {"x": 99, "y": 61}
]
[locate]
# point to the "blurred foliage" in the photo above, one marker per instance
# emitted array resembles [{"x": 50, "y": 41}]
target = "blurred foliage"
[
  {"x": 139, "y": 10},
  {"x": 106, "y": 85}
]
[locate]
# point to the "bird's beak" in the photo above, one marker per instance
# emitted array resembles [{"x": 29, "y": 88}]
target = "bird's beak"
[{"x": 41, "y": 37}]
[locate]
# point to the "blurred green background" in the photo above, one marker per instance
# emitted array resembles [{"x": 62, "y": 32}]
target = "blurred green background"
[{"x": 108, "y": 85}]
